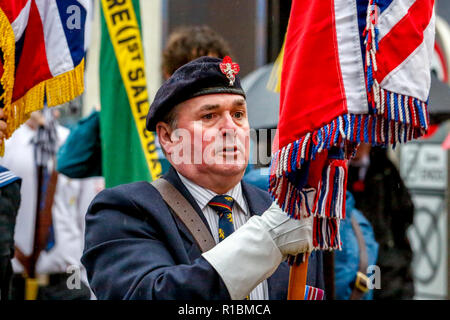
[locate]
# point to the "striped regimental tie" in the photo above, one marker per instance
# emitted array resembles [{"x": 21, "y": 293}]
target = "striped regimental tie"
[{"x": 223, "y": 205}]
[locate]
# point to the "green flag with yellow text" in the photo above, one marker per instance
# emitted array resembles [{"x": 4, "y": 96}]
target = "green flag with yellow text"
[{"x": 128, "y": 149}]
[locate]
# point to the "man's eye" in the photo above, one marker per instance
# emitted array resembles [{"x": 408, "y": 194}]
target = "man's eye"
[
  {"x": 208, "y": 116},
  {"x": 238, "y": 114}
]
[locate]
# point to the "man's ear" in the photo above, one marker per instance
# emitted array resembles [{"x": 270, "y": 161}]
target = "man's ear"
[{"x": 164, "y": 132}]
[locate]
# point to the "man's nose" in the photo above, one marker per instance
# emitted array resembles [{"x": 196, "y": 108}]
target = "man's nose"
[{"x": 227, "y": 126}]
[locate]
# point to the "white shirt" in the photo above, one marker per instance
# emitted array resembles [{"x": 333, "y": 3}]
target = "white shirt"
[
  {"x": 240, "y": 213},
  {"x": 71, "y": 199}
]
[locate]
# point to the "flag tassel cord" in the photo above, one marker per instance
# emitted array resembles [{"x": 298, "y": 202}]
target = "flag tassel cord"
[{"x": 379, "y": 129}]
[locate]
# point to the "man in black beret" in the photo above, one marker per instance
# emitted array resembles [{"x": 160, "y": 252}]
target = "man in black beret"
[{"x": 139, "y": 243}]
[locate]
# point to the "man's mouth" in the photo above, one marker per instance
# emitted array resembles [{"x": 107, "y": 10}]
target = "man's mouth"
[{"x": 230, "y": 149}]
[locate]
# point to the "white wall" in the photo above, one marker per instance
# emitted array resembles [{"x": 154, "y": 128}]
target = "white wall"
[
  {"x": 91, "y": 89},
  {"x": 152, "y": 23}
]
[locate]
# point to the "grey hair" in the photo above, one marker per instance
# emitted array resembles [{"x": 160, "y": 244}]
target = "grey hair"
[{"x": 171, "y": 118}]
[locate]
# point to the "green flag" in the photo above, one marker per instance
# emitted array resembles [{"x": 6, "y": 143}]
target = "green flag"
[{"x": 128, "y": 149}]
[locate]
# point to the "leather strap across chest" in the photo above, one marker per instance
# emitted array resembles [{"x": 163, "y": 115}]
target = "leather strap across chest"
[{"x": 186, "y": 213}]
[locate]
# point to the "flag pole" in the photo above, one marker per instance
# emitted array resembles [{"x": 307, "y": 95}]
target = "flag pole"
[{"x": 297, "y": 280}]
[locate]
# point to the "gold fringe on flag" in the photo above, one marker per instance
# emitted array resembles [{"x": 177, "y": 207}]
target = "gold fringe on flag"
[
  {"x": 65, "y": 87},
  {"x": 7, "y": 46},
  {"x": 58, "y": 90}
]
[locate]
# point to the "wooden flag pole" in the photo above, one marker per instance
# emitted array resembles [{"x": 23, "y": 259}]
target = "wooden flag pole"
[
  {"x": 297, "y": 281},
  {"x": 41, "y": 233},
  {"x": 297, "y": 275}
]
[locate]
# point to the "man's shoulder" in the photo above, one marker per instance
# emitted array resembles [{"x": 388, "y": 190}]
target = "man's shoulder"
[
  {"x": 139, "y": 196},
  {"x": 255, "y": 190},
  {"x": 258, "y": 199},
  {"x": 126, "y": 189}
]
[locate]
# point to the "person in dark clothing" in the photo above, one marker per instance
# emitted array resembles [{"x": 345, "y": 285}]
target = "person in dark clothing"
[
  {"x": 9, "y": 205},
  {"x": 383, "y": 198}
]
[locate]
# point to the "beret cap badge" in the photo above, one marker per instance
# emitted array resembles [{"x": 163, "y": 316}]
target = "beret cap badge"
[{"x": 230, "y": 69}]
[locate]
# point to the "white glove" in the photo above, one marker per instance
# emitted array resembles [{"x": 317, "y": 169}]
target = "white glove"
[
  {"x": 291, "y": 236},
  {"x": 252, "y": 253}
]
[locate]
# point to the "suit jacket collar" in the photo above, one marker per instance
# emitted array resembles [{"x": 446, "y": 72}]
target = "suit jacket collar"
[
  {"x": 256, "y": 204},
  {"x": 203, "y": 196}
]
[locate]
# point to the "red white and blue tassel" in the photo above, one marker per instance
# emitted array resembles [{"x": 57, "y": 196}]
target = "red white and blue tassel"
[{"x": 313, "y": 293}]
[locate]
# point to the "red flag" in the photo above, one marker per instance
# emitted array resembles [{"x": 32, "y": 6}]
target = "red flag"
[{"x": 346, "y": 80}]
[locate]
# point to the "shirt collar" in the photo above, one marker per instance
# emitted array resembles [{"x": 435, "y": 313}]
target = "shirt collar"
[{"x": 203, "y": 196}]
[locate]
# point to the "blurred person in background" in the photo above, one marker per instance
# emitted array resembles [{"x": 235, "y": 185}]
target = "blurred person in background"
[
  {"x": 382, "y": 197},
  {"x": 191, "y": 42},
  {"x": 30, "y": 154},
  {"x": 9, "y": 205},
  {"x": 359, "y": 250}
]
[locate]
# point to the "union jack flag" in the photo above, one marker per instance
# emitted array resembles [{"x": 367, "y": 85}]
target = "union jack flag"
[
  {"x": 42, "y": 49},
  {"x": 353, "y": 71}
]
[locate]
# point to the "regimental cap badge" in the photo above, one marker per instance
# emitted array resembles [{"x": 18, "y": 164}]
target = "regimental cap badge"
[{"x": 230, "y": 69}]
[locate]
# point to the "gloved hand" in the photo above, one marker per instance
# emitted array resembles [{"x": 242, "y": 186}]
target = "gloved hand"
[
  {"x": 252, "y": 253},
  {"x": 291, "y": 236}
]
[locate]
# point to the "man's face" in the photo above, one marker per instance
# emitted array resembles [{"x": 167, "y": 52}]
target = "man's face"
[{"x": 212, "y": 136}]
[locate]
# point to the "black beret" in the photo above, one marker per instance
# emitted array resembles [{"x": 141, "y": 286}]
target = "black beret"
[{"x": 196, "y": 78}]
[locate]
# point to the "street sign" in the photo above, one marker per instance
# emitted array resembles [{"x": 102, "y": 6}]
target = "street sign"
[
  {"x": 429, "y": 245},
  {"x": 424, "y": 166},
  {"x": 424, "y": 170}
]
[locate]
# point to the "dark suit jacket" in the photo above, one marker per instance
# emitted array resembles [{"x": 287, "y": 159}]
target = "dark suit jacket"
[{"x": 135, "y": 248}]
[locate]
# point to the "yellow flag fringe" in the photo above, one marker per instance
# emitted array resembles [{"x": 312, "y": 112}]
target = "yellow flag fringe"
[
  {"x": 58, "y": 90},
  {"x": 65, "y": 87},
  {"x": 8, "y": 46}
]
